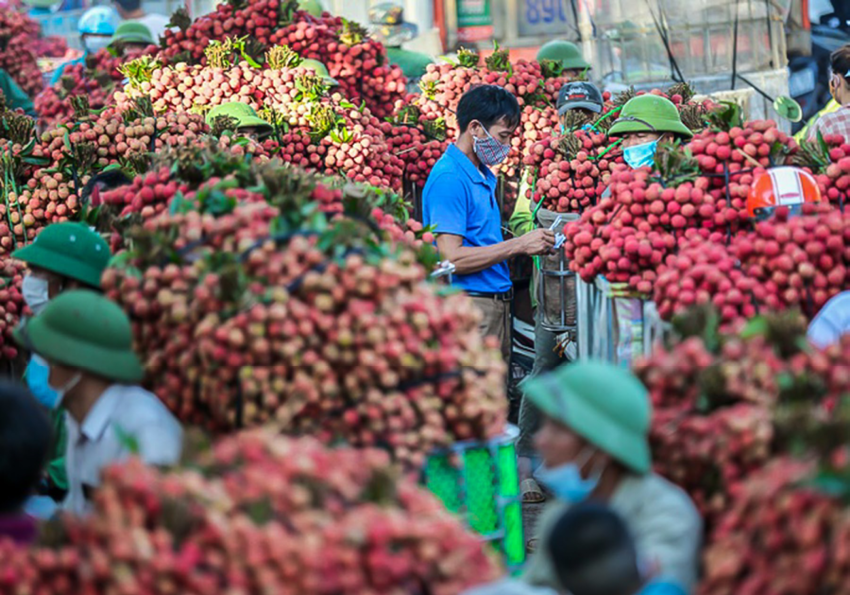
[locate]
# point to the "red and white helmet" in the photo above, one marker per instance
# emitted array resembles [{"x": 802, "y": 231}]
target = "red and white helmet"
[{"x": 781, "y": 187}]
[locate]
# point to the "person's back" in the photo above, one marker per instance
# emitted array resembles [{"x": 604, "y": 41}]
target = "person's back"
[
  {"x": 25, "y": 438},
  {"x": 832, "y": 322},
  {"x": 126, "y": 421},
  {"x": 662, "y": 520}
]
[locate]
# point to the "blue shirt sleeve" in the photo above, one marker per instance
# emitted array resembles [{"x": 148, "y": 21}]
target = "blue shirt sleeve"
[{"x": 445, "y": 205}]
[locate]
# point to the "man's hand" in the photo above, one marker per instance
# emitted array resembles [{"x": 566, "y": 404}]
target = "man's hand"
[{"x": 539, "y": 241}]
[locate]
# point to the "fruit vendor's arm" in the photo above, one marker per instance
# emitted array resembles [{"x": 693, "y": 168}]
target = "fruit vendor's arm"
[
  {"x": 522, "y": 221},
  {"x": 471, "y": 259}
]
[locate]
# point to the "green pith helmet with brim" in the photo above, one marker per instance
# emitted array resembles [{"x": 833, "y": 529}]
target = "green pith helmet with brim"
[
  {"x": 312, "y": 7},
  {"x": 649, "y": 113},
  {"x": 321, "y": 70},
  {"x": 604, "y": 404},
  {"x": 84, "y": 330},
  {"x": 566, "y": 53},
  {"x": 243, "y": 113},
  {"x": 72, "y": 250},
  {"x": 132, "y": 32}
]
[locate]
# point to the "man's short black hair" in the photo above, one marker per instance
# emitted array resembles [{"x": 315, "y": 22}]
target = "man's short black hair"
[
  {"x": 593, "y": 553},
  {"x": 489, "y": 105},
  {"x": 107, "y": 180},
  {"x": 129, "y": 5},
  {"x": 25, "y": 438}
]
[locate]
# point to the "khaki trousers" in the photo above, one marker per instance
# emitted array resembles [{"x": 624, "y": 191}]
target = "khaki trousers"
[{"x": 496, "y": 321}]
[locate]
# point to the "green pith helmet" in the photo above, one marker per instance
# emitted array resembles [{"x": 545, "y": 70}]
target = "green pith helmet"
[
  {"x": 72, "y": 250},
  {"x": 565, "y": 52},
  {"x": 604, "y": 404},
  {"x": 86, "y": 331},
  {"x": 313, "y": 7},
  {"x": 321, "y": 70},
  {"x": 132, "y": 32},
  {"x": 243, "y": 113},
  {"x": 649, "y": 113}
]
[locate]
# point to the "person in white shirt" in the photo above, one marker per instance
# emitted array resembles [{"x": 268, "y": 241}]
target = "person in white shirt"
[
  {"x": 87, "y": 342},
  {"x": 832, "y": 321},
  {"x": 131, "y": 10}
]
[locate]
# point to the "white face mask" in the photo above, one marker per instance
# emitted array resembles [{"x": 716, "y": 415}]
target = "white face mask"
[
  {"x": 35, "y": 293},
  {"x": 95, "y": 43},
  {"x": 62, "y": 391}
]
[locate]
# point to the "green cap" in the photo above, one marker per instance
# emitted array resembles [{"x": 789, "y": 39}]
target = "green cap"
[
  {"x": 132, "y": 32},
  {"x": 649, "y": 113},
  {"x": 565, "y": 52},
  {"x": 84, "y": 330},
  {"x": 243, "y": 113},
  {"x": 313, "y": 7},
  {"x": 321, "y": 70},
  {"x": 69, "y": 249},
  {"x": 604, "y": 404}
]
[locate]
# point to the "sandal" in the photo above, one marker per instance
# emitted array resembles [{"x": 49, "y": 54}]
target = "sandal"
[{"x": 531, "y": 492}]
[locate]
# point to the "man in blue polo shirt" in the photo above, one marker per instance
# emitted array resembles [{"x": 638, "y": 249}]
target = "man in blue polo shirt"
[{"x": 460, "y": 201}]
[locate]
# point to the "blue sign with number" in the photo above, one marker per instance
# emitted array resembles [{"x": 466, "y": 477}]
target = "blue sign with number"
[{"x": 541, "y": 17}]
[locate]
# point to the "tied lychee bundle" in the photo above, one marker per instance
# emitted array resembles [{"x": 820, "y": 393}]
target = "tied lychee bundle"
[
  {"x": 17, "y": 55},
  {"x": 12, "y": 306},
  {"x": 725, "y": 404},
  {"x": 779, "y": 536},
  {"x": 627, "y": 236},
  {"x": 828, "y": 158},
  {"x": 127, "y": 139},
  {"x": 706, "y": 271},
  {"x": 574, "y": 170},
  {"x": 96, "y": 79},
  {"x": 359, "y": 64},
  {"x": 148, "y": 194},
  {"x": 712, "y": 423},
  {"x": 46, "y": 198},
  {"x": 799, "y": 262},
  {"x": 732, "y": 154},
  {"x": 257, "y": 514}
]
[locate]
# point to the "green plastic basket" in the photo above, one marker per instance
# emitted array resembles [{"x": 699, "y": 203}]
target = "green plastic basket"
[{"x": 479, "y": 481}]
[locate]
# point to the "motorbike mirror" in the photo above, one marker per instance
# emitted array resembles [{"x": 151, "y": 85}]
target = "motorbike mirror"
[{"x": 788, "y": 108}]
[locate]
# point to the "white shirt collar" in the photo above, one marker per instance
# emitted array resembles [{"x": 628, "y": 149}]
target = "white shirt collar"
[{"x": 99, "y": 415}]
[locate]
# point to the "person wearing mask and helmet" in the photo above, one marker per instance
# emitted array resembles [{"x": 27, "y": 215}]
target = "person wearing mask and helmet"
[
  {"x": 459, "y": 200},
  {"x": 96, "y": 27},
  {"x": 567, "y": 55},
  {"x": 387, "y": 25},
  {"x": 644, "y": 122},
  {"x": 322, "y": 71},
  {"x": 594, "y": 444},
  {"x": 574, "y": 96},
  {"x": 781, "y": 187},
  {"x": 87, "y": 341},
  {"x": 131, "y": 38},
  {"x": 838, "y": 121},
  {"x": 62, "y": 257},
  {"x": 248, "y": 123}
]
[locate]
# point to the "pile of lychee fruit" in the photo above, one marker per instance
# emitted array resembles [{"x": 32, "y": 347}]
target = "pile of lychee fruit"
[
  {"x": 722, "y": 402},
  {"x": 18, "y": 33},
  {"x": 258, "y": 513}
]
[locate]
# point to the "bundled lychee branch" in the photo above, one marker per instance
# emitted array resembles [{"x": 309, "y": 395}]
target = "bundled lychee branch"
[
  {"x": 727, "y": 403},
  {"x": 257, "y": 513},
  {"x": 254, "y": 304}
]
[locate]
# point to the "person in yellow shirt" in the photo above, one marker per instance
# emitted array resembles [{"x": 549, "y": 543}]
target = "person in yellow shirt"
[
  {"x": 831, "y": 107},
  {"x": 575, "y": 95}
]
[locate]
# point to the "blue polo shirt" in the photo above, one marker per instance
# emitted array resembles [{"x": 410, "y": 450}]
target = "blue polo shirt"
[{"x": 460, "y": 199}]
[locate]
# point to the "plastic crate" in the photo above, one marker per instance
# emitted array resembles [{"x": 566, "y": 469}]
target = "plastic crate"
[{"x": 480, "y": 482}]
